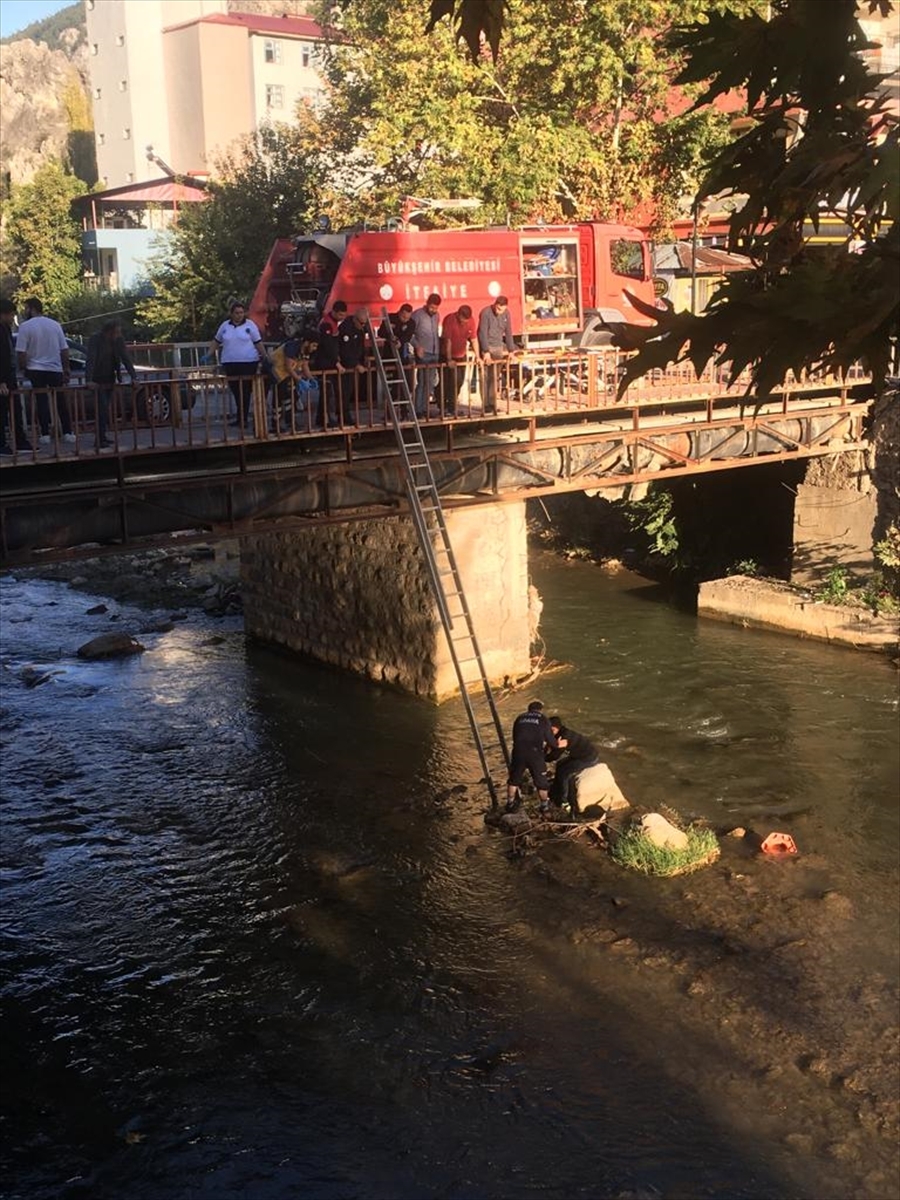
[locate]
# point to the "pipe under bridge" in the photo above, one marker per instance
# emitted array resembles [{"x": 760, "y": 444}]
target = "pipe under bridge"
[{"x": 193, "y": 476}]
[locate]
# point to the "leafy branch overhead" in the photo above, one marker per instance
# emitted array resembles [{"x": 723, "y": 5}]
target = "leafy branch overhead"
[
  {"x": 822, "y": 141},
  {"x": 476, "y": 21}
]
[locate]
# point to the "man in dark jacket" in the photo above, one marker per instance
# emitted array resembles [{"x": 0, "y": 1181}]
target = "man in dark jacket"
[
  {"x": 496, "y": 344},
  {"x": 107, "y": 354},
  {"x": 353, "y": 352},
  {"x": 532, "y": 737},
  {"x": 12, "y": 428},
  {"x": 580, "y": 753},
  {"x": 324, "y": 362}
]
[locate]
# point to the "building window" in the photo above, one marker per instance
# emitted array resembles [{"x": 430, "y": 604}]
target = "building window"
[
  {"x": 123, "y": 85},
  {"x": 274, "y": 95},
  {"x": 90, "y": 5},
  {"x": 98, "y": 92},
  {"x": 129, "y": 178},
  {"x": 101, "y": 139},
  {"x": 120, "y": 39},
  {"x": 314, "y": 97},
  {"x": 126, "y": 134},
  {"x": 306, "y": 53},
  {"x": 272, "y": 50},
  {"x": 95, "y": 49}
]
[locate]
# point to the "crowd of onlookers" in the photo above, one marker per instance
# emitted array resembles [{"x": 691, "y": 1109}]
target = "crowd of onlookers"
[
  {"x": 332, "y": 364},
  {"x": 329, "y": 367}
]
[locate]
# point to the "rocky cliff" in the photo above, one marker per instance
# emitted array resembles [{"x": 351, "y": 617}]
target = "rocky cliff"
[
  {"x": 45, "y": 92},
  {"x": 46, "y": 112}
]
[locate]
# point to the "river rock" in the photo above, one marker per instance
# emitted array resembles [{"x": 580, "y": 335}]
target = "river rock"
[
  {"x": 515, "y": 822},
  {"x": 595, "y": 788},
  {"x": 663, "y": 833},
  {"x": 110, "y": 645}
]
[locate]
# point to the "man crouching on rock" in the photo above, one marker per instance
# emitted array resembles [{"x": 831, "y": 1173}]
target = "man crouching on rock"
[
  {"x": 581, "y": 754},
  {"x": 532, "y": 737}
]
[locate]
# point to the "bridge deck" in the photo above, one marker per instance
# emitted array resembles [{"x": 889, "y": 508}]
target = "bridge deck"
[{"x": 196, "y": 476}]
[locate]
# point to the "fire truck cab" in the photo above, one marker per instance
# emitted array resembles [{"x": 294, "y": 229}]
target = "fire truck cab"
[{"x": 566, "y": 284}]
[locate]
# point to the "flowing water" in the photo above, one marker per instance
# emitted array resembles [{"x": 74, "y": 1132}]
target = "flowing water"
[{"x": 257, "y": 941}]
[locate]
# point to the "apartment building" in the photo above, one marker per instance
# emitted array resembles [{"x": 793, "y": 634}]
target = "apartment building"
[{"x": 186, "y": 77}]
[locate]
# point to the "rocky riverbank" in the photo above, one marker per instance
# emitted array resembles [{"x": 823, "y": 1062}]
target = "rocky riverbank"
[{"x": 205, "y": 577}]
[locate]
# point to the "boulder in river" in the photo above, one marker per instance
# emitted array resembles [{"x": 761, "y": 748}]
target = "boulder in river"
[
  {"x": 596, "y": 788},
  {"x": 663, "y": 833},
  {"x": 110, "y": 645}
]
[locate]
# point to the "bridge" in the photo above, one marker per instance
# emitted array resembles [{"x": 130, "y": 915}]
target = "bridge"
[{"x": 179, "y": 467}]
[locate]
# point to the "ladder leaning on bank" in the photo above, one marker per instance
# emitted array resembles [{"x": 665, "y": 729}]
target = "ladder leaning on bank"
[{"x": 446, "y": 583}]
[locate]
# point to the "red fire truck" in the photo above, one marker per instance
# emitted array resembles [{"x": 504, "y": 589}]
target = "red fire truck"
[{"x": 567, "y": 284}]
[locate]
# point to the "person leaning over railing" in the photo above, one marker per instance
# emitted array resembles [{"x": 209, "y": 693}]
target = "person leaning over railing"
[{"x": 12, "y": 428}]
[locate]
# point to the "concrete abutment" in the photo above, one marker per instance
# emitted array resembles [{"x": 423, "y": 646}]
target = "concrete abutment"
[{"x": 357, "y": 596}]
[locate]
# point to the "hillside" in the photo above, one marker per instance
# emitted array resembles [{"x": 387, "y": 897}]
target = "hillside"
[{"x": 44, "y": 99}]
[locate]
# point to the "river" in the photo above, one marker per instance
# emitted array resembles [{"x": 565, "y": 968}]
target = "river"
[{"x": 257, "y": 941}]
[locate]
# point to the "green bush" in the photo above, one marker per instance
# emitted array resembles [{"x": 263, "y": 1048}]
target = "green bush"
[{"x": 633, "y": 849}]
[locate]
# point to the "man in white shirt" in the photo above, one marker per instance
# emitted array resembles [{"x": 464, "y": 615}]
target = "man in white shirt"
[{"x": 42, "y": 353}]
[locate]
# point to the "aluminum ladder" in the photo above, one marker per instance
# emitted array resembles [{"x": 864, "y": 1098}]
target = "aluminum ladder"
[{"x": 446, "y": 583}]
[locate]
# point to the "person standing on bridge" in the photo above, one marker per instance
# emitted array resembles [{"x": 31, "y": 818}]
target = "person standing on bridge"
[
  {"x": 458, "y": 340},
  {"x": 495, "y": 341},
  {"x": 325, "y": 363},
  {"x": 43, "y": 356},
  {"x": 426, "y": 344},
  {"x": 532, "y": 737},
  {"x": 107, "y": 354},
  {"x": 241, "y": 351},
  {"x": 12, "y": 427},
  {"x": 353, "y": 351}
]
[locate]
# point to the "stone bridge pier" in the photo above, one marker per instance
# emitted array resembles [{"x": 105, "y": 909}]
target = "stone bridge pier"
[{"x": 357, "y": 596}]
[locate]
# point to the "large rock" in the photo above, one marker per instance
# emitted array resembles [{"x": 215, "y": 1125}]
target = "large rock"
[
  {"x": 110, "y": 645},
  {"x": 596, "y": 789},
  {"x": 663, "y": 833}
]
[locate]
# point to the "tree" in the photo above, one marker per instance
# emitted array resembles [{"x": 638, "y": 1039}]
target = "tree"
[
  {"x": 569, "y": 120},
  {"x": 821, "y": 140},
  {"x": 43, "y": 239},
  {"x": 265, "y": 187}
]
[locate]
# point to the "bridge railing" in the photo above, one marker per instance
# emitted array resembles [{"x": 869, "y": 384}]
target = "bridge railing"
[{"x": 193, "y": 405}]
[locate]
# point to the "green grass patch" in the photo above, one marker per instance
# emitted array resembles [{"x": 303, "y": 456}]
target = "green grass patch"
[{"x": 632, "y": 849}]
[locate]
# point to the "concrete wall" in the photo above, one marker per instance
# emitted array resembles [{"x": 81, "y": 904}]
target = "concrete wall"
[
  {"x": 357, "y": 596},
  {"x": 833, "y": 527},
  {"x": 768, "y": 604}
]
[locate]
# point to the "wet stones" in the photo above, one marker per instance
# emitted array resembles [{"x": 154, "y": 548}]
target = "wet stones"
[{"x": 110, "y": 645}]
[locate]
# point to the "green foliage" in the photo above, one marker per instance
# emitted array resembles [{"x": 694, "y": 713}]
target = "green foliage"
[
  {"x": 50, "y": 29},
  {"x": 879, "y": 598},
  {"x": 564, "y": 123},
  {"x": 80, "y": 142},
  {"x": 655, "y": 518},
  {"x": 836, "y": 586},
  {"x": 744, "y": 566},
  {"x": 632, "y": 849},
  {"x": 42, "y": 246},
  {"x": 265, "y": 187},
  {"x": 887, "y": 551},
  {"x": 820, "y": 140}
]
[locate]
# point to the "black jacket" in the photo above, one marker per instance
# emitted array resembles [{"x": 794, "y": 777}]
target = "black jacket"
[{"x": 7, "y": 357}]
